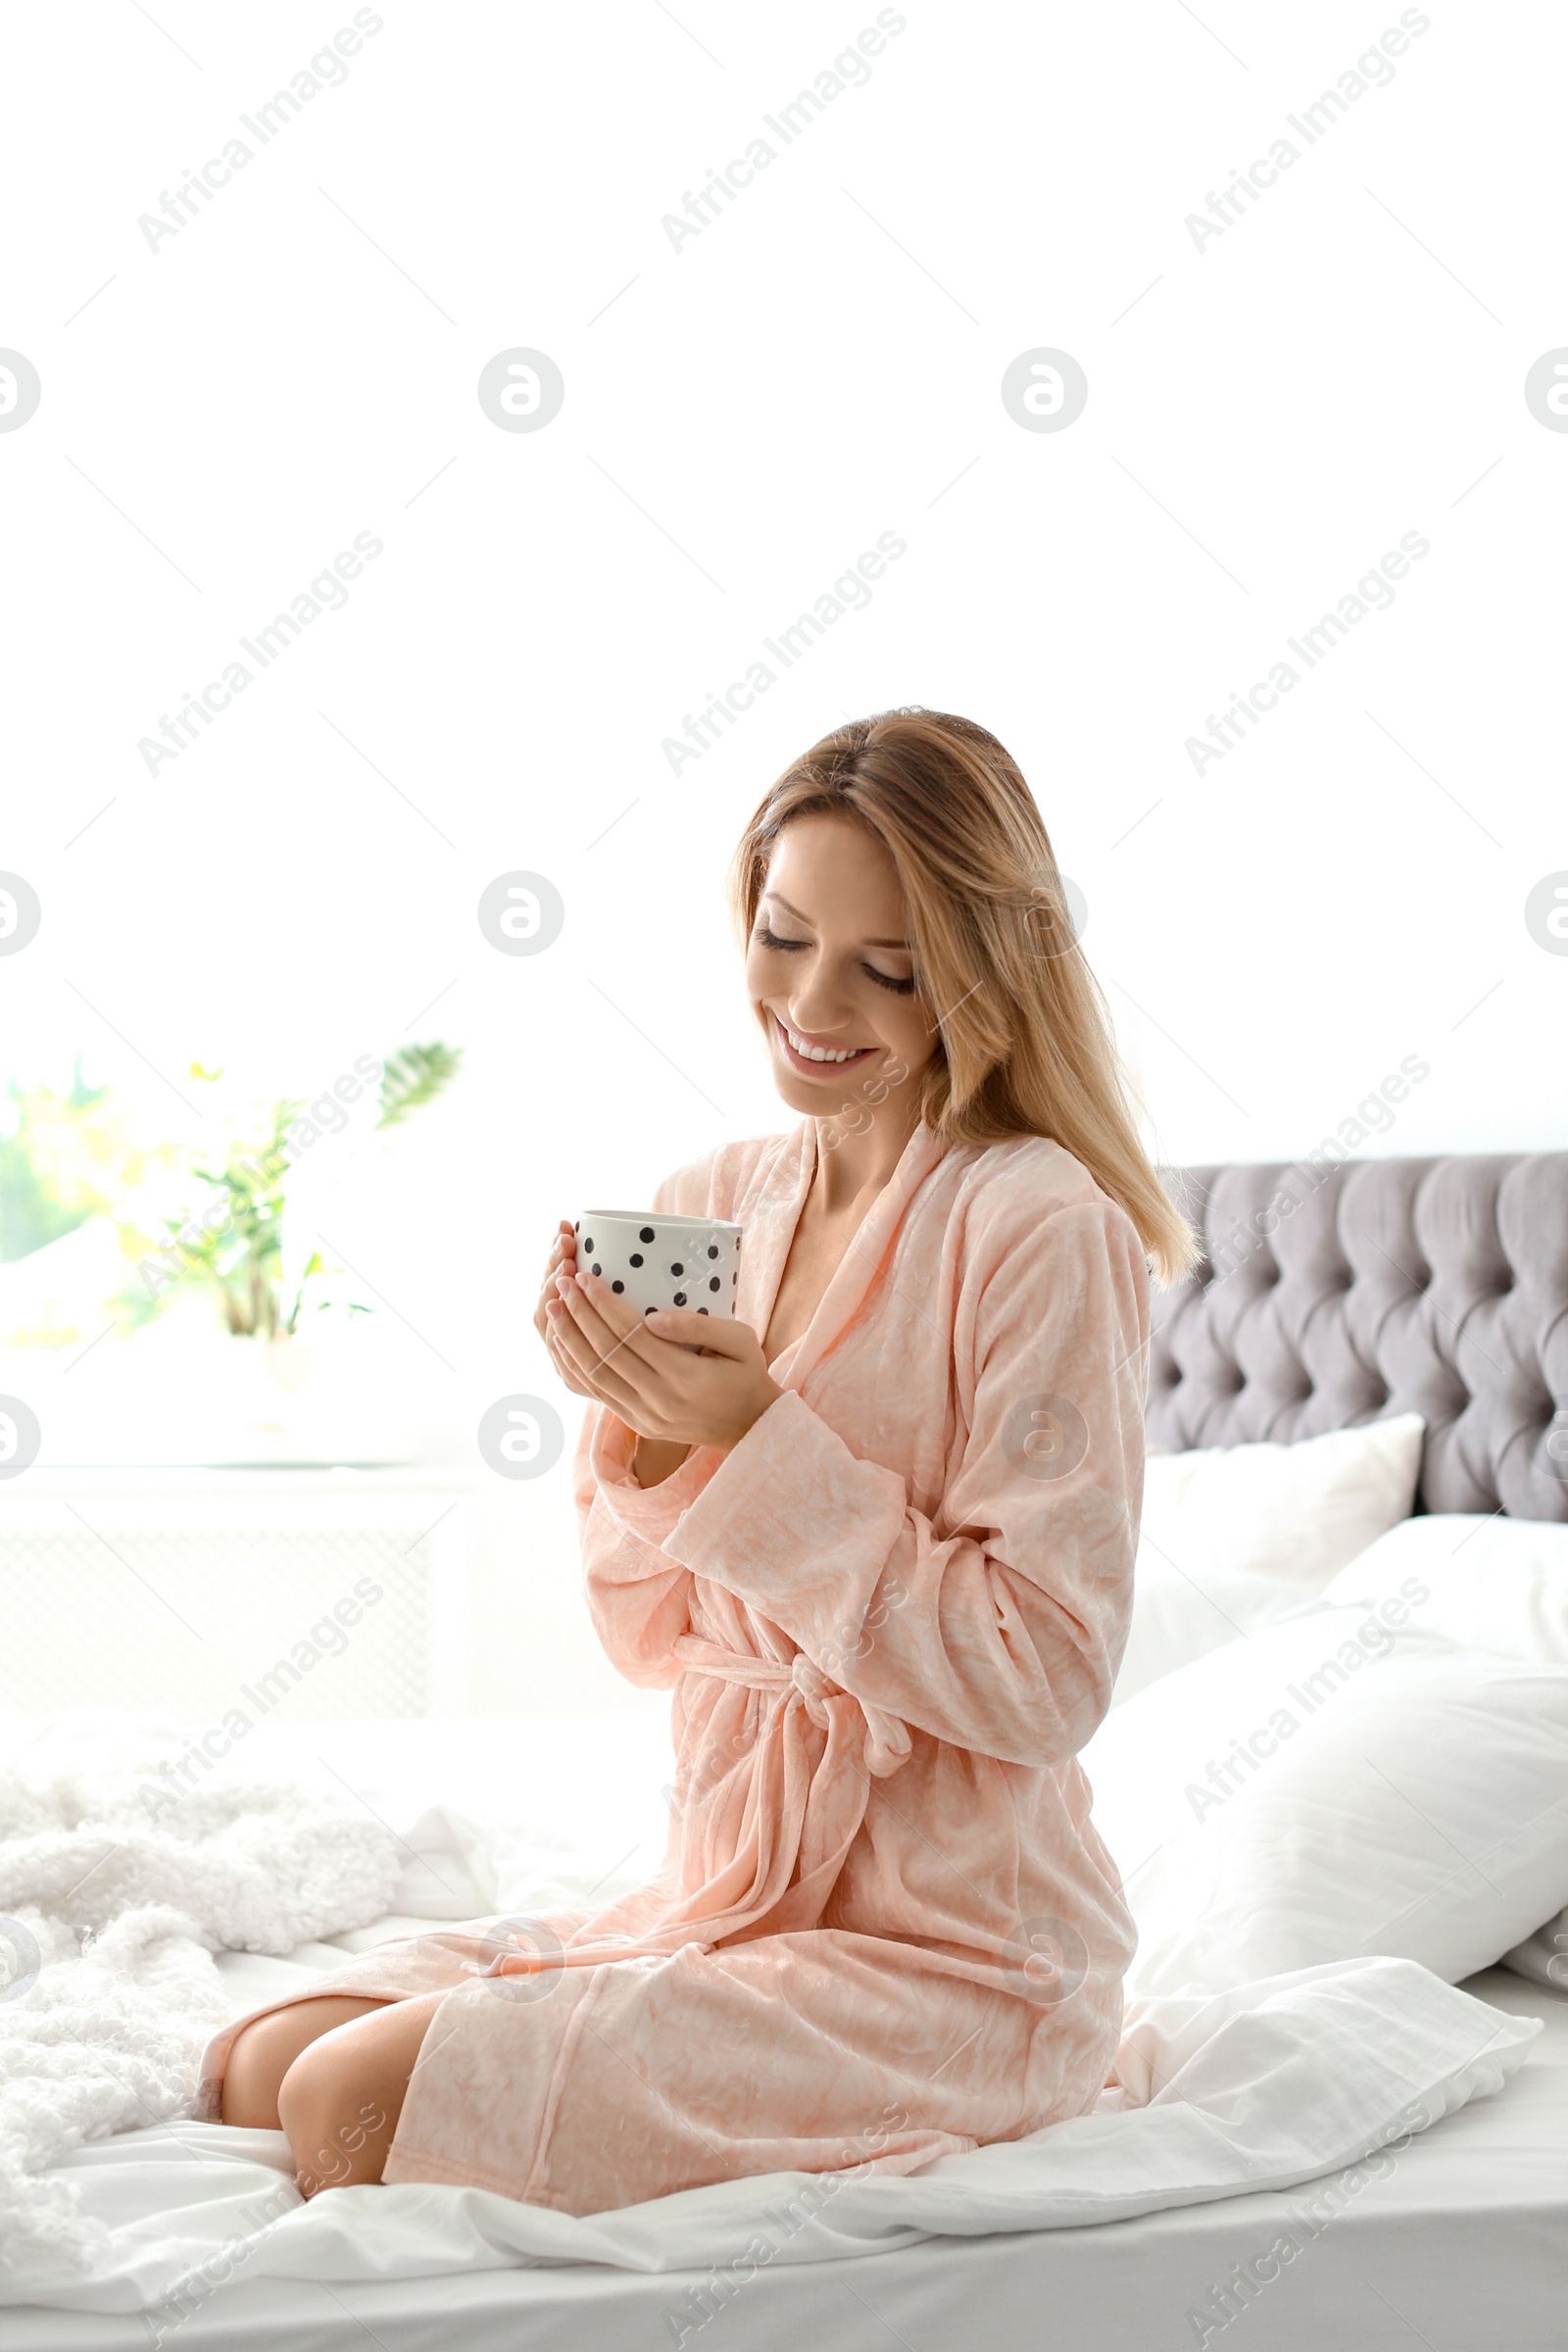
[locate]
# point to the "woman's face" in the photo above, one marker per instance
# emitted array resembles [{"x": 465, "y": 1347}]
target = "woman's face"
[{"x": 830, "y": 968}]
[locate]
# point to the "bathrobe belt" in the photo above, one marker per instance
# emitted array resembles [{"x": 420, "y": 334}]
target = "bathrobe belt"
[
  {"x": 794, "y": 1858},
  {"x": 887, "y": 1740}
]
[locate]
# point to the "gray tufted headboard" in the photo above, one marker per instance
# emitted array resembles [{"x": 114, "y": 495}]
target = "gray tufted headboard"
[{"x": 1335, "y": 1293}]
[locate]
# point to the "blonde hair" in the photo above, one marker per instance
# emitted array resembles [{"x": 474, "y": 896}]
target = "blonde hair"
[{"x": 1024, "y": 1045}]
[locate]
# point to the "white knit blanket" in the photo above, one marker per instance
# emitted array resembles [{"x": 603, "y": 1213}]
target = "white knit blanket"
[{"x": 114, "y": 1895}]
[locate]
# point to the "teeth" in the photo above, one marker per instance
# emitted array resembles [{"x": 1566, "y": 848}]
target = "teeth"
[{"x": 819, "y": 1053}]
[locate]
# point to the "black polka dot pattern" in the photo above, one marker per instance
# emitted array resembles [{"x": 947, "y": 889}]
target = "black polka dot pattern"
[{"x": 662, "y": 1264}]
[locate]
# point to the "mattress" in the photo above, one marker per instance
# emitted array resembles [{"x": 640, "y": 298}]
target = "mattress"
[{"x": 1463, "y": 2242}]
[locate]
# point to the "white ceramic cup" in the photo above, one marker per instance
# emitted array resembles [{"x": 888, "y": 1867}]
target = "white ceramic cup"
[{"x": 652, "y": 1258}]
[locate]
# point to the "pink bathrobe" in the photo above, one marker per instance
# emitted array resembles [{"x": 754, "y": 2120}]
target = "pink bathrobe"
[{"x": 884, "y": 1929}]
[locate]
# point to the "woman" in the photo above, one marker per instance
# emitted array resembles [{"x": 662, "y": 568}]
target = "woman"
[{"x": 878, "y": 1535}]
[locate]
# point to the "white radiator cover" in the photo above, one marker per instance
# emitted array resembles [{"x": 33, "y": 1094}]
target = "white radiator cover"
[{"x": 280, "y": 1594}]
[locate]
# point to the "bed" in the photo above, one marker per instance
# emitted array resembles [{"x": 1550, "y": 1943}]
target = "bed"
[{"x": 1328, "y": 1297}]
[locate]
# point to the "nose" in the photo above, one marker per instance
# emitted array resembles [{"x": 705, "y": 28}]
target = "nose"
[{"x": 819, "y": 1005}]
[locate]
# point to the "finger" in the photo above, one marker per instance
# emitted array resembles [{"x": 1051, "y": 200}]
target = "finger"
[
  {"x": 638, "y": 1365},
  {"x": 581, "y": 1378},
  {"x": 577, "y": 1315},
  {"x": 716, "y": 1334},
  {"x": 619, "y": 1313},
  {"x": 573, "y": 1346},
  {"x": 605, "y": 1386},
  {"x": 612, "y": 1327},
  {"x": 546, "y": 1285},
  {"x": 614, "y": 1377},
  {"x": 565, "y": 1371}
]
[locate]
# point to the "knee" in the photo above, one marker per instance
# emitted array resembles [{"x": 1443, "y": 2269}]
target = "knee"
[
  {"x": 262, "y": 2052},
  {"x": 258, "y": 2060},
  {"x": 333, "y": 2129}
]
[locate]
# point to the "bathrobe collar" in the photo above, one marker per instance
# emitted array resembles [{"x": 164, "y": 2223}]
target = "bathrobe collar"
[{"x": 770, "y": 1229}]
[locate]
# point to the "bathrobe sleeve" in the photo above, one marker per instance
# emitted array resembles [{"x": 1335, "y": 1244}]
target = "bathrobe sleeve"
[
  {"x": 1003, "y": 1635},
  {"x": 638, "y": 1598}
]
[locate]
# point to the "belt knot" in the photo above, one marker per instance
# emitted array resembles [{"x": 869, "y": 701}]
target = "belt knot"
[{"x": 887, "y": 1740}]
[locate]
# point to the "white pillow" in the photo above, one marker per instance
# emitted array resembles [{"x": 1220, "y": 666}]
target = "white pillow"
[
  {"x": 1296, "y": 1512},
  {"x": 1232, "y": 1536},
  {"x": 1543, "y": 1956},
  {"x": 1328, "y": 1790},
  {"x": 1490, "y": 1584},
  {"x": 1494, "y": 1585},
  {"x": 1179, "y": 1614}
]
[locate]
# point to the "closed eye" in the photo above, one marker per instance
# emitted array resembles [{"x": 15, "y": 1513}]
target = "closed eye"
[{"x": 766, "y": 937}]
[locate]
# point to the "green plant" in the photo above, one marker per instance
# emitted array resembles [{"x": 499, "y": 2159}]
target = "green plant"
[
  {"x": 235, "y": 1239},
  {"x": 412, "y": 1075},
  {"x": 68, "y": 1158},
  {"x": 59, "y": 1162},
  {"x": 243, "y": 1253}
]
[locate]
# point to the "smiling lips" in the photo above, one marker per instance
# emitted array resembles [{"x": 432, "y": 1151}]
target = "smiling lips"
[{"x": 814, "y": 1055}]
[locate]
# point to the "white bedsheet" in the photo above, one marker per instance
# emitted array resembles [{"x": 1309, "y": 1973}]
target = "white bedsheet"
[
  {"x": 1469, "y": 2225},
  {"x": 1284, "y": 2082},
  {"x": 1264, "y": 2089}
]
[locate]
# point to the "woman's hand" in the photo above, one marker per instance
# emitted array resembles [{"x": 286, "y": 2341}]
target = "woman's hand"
[
  {"x": 662, "y": 1391},
  {"x": 563, "y": 1262}
]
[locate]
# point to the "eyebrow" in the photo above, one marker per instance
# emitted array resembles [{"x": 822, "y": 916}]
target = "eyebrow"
[{"x": 779, "y": 899}]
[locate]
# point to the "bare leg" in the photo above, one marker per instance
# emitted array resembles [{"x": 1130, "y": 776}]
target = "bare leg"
[
  {"x": 340, "y": 2100},
  {"x": 264, "y": 2052}
]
